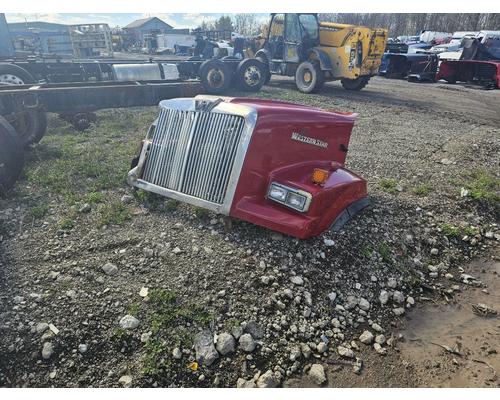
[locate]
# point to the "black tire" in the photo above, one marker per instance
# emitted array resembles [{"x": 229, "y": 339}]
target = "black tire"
[
  {"x": 251, "y": 75},
  {"x": 268, "y": 76},
  {"x": 14, "y": 75},
  {"x": 309, "y": 78},
  {"x": 30, "y": 126},
  {"x": 11, "y": 156},
  {"x": 355, "y": 84},
  {"x": 215, "y": 76}
]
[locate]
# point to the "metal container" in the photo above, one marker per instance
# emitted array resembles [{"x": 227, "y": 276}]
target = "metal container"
[
  {"x": 170, "y": 71},
  {"x": 137, "y": 72}
]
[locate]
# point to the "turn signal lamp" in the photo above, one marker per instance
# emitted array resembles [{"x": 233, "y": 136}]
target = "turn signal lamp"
[{"x": 319, "y": 176}]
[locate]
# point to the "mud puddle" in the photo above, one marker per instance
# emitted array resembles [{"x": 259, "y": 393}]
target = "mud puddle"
[
  {"x": 444, "y": 345},
  {"x": 471, "y": 342}
]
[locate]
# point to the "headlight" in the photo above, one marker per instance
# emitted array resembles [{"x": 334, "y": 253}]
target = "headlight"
[
  {"x": 294, "y": 198},
  {"x": 278, "y": 193}
]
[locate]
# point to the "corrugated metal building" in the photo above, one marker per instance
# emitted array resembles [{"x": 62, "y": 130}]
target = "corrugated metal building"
[
  {"x": 47, "y": 38},
  {"x": 41, "y": 37},
  {"x": 146, "y": 27}
]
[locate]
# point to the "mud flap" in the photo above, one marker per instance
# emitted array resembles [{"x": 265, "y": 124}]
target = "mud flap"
[{"x": 348, "y": 213}]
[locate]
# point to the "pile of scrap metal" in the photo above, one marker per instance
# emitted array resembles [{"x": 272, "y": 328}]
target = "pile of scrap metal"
[
  {"x": 420, "y": 66},
  {"x": 468, "y": 57},
  {"x": 479, "y": 62},
  {"x": 410, "y": 58},
  {"x": 452, "y": 49}
]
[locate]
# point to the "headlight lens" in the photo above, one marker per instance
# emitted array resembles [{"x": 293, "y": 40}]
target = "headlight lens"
[
  {"x": 294, "y": 198},
  {"x": 277, "y": 193}
]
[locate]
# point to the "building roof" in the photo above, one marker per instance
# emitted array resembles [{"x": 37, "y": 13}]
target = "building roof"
[
  {"x": 41, "y": 25},
  {"x": 141, "y": 22}
]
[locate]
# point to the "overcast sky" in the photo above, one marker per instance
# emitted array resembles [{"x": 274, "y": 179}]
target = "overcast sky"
[{"x": 176, "y": 20}]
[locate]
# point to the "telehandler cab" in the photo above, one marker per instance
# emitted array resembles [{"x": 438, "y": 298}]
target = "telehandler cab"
[{"x": 314, "y": 52}]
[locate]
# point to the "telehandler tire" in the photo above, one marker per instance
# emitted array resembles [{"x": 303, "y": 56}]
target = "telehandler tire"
[
  {"x": 11, "y": 156},
  {"x": 309, "y": 78},
  {"x": 355, "y": 84}
]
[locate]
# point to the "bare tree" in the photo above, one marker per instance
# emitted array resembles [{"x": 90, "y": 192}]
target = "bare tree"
[
  {"x": 246, "y": 24},
  {"x": 411, "y": 24}
]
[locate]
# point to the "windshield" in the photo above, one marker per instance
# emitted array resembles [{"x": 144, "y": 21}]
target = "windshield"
[{"x": 309, "y": 25}]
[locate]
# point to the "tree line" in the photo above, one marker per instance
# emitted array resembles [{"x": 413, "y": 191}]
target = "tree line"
[
  {"x": 397, "y": 23},
  {"x": 411, "y": 24}
]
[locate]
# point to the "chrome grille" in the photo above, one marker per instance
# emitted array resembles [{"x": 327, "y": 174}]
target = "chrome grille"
[{"x": 193, "y": 152}]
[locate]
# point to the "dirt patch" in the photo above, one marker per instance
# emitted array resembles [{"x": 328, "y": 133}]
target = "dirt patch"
[{"x": 471, "y": 344}]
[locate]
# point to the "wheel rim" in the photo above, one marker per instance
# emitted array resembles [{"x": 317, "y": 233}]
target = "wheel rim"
[
  {"x": 307, "y": 77},
  {"x": 215, "y": 78},
  {"x": 252, "y": 76},
  {"x": 11, "y": 79}
]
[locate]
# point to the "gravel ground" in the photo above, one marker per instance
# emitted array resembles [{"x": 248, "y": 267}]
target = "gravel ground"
[{"x": 103, "y": 286}]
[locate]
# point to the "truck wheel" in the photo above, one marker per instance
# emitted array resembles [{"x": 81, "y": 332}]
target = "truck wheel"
[
  {"x": 11, "y": 156},
  {"x": 215, "y": 76},
  {"x": 30, "y": 126},
  {"x": 355, "y": 84},
  {"x": 12, "y": 74},
  {"x": 251, "y": 74},
  {"x": 309, "y": 78},
  {"x": 268, "y": 75}
]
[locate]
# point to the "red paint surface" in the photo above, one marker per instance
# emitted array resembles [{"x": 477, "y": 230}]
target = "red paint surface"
[
  {"x": 272, "y": 155},
  {"x": 463, "y": 70}
]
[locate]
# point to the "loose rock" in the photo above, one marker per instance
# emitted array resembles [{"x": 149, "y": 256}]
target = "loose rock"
[
  {"x": 205, "y": 350},
  {"x": 177, "y": 353},
  {"x": 317, "y": 374},
  {"x": 244, "y": 384},
  {"x": 129, "y": 322},
  {"x": 267, "y": 380},
  {"x": 247, "y": 343},
  {"x": 225, "y": 344},
  {"x": 364, "y": 304},
  {"x": 398, "y": 297},
  {"x": 345, "y": 352},
  {"x": 110, "y": 269},
  {"x": 47, "y": 350},
  {"x": 82, "y": 348},
  {"x": 366, "y": 337},
  {"x": 297, "y": 280},
  {"x": 125, "y": 381},
  {"x": 383, "y": 297}
]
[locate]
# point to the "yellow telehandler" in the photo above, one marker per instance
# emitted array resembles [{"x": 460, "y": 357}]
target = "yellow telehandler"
[{"x": 314, "y": 52}]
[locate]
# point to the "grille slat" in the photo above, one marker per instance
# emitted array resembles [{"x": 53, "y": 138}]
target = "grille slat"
[
  {"x": 205, "y": 147},
  {"x": 193, "y": 152},
  {"x": 213, "y": 150}
]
